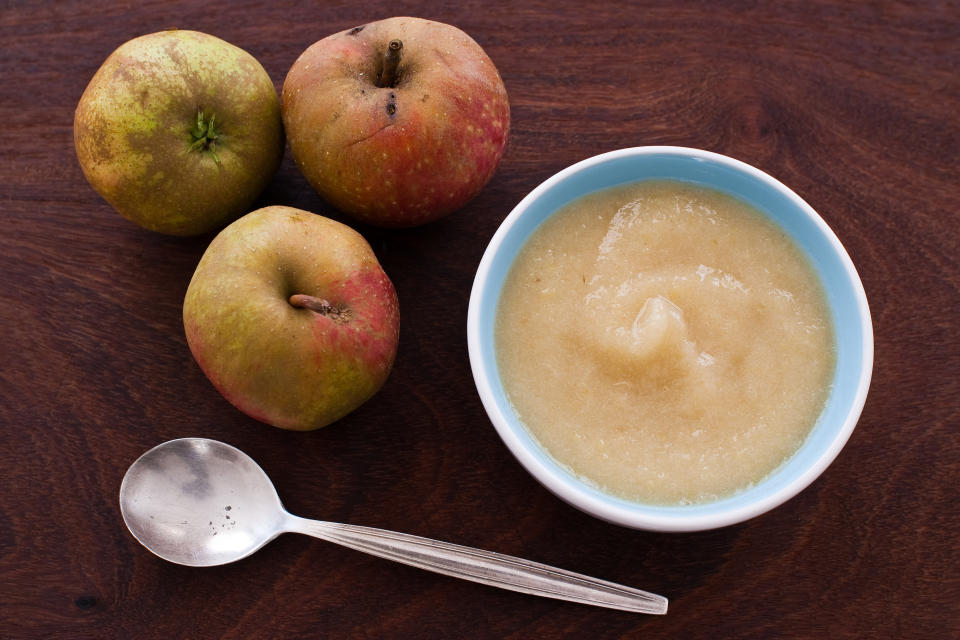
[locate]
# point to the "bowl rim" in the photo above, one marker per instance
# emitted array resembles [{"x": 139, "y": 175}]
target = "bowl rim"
[{"x": 577, "y": 492}]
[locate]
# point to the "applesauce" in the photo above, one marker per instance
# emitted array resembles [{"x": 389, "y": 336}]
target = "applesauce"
[{"x": 666, "y": 342}]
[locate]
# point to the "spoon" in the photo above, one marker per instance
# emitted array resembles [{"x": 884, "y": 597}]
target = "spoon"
[{"x": 201, "y": 503}]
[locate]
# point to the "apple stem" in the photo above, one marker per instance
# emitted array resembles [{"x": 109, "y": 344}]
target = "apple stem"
[
  {"x": 321, "y": 306},
  {"x": 391, "y": 62}
]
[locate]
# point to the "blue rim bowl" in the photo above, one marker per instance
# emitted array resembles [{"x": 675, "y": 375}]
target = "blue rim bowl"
[{"x": 845, "y": 297}]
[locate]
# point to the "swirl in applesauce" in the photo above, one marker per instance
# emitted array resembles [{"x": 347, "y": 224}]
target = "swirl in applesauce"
[{"x": 666, "y": 342}]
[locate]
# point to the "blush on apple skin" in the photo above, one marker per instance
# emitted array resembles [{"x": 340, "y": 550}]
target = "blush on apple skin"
[
  {"x": 401, "y": 154},
  {"x": 291, "y": 318},
  {"x": 371, "y": 333}
]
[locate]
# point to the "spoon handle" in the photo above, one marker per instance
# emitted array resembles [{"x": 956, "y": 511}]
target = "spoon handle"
[{"x": 486, "y": 567}]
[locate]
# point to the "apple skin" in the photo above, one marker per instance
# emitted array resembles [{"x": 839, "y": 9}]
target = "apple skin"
[
  {"x": 134, "y": 126},
  {"x": 403, "y": 155},
  {"x": 294, "y": 367}
]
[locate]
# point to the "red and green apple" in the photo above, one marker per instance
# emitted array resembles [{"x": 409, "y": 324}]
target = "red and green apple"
[
  {"x": 397, "y": 122},
  {"x": 291, "y": 317}
]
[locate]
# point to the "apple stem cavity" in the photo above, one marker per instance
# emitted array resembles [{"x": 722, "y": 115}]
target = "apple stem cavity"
[
  {"x": 204, "y": 135},
  {"x": 391, "y": 63},
  {"x": 321, "y": 306}
]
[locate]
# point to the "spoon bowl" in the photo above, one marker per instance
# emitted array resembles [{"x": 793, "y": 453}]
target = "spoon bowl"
[{"x": 201, "y": 503}]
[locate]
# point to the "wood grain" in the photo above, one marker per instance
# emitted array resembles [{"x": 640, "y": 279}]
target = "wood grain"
[{"x": 854, "y": 105}]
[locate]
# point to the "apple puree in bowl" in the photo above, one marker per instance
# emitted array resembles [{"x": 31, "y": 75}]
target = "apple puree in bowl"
[{"x": 665, "y": 342}]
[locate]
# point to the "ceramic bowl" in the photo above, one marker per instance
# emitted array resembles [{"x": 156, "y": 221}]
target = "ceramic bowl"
[{"x": 844, "y": 291}]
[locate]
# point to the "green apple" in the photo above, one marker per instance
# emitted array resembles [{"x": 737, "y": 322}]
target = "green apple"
[
  {"x": 291, "y": 317},
  {"x": 397, "y": 122},
  {"x": 179, "y": 131}
]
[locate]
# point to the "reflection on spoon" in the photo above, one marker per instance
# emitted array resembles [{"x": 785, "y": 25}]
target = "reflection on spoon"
[{"x": 201, "y": 503}]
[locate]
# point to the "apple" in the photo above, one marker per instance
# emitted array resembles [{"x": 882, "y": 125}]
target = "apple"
[
  {"x": 397, "y": 122},
  {"x": 179, "y": 131},
  {"x": 291, "y": 317}
]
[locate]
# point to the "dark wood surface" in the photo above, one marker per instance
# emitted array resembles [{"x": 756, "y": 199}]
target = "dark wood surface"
[{"x": 853, "y": 105}]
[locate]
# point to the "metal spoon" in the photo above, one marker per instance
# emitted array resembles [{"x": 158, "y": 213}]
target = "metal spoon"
[{"x": 201, "y": 503}]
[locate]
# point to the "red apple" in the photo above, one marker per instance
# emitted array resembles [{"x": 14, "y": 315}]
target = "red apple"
[
  {"x": 397, "y": 122},
  {"x": 291, "y": 317}
]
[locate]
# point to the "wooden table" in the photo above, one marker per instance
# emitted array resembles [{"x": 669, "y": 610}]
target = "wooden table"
[{"x": 854, "y": 105}]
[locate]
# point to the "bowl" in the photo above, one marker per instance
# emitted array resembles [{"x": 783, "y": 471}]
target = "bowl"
[{"x": 846, "y": 300}]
